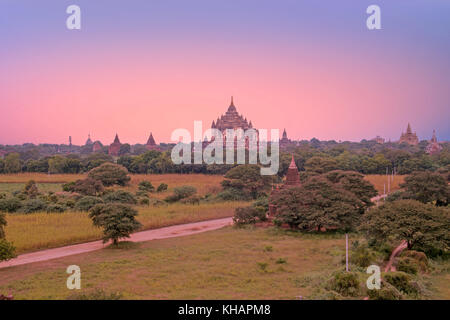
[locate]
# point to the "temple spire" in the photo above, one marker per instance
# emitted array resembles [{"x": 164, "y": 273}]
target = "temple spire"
[{"x": 408, "y": 130}]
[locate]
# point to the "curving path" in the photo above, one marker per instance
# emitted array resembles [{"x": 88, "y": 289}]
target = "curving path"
[
  {"x": 161, "y": 233},
  {"x": 396, "y": 252}
]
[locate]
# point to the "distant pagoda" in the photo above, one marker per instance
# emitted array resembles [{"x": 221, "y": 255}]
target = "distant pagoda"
[
  {"x": 409, "y": 137},
  {"x": 151, "y": 144},
  {"x": 433, "y": 146},
  {"x": 292, "y": 180},
  {"x": 114, "y": 148},
  {"x": 231, "y": 120},
  {"x": 89, "y": 141}
]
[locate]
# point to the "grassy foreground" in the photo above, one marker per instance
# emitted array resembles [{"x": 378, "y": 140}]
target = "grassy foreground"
[
  {"x": 223, "y": 264},
  {"x": 230, "y": 263},
  {"x": 30, "y": 232}
]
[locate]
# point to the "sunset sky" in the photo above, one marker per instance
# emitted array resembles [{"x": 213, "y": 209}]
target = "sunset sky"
[{"x": 141, "y": 66}]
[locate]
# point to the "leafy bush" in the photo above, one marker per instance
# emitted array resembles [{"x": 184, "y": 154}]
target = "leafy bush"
[
  {"x": 7, "y": 250},
  {"x": 246, "y": 215},
  {"x": 10, "y": 204},
  {"x": 386, "y": 292},
  {"x": 67, "y": 202},
  {"x": 117, "y": 220},
  {"x": 120, "y": 196},
  {"x": 142, "y": 194},
  {"x": 87, "y": 187},
  {"x": 31, "y": 189},
  {"x": 362, "y": 256},
  {"x": 56, "y": 208},
  {"x": 162, "y": 187},
  {"x": 145, "y": 201},
  {"x": 184, "y": 191},
  {"x": 262, "y": 205},
  {"x": 33, "y": 205},
  {"x": 402, "y": 282},
  {"x": 232, "y": 195},
  {"x": 87, "y": 202},
  {"x": 420, "y": 258},
  {"x": 146, "y": 186},
  {"x": 408, "y": 265},
  {"x": 181, "y": 193},
  {"x": 191, "y": 200},
  {"x": 110, "y": 174},
  {"x": 345, "y": 283}
]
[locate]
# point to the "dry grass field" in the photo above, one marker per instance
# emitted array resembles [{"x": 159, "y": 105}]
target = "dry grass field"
[
  {"x": 31, "y": 232},
  {"x": 230, "y": 263},
  {"x": 203, "y": 183}
]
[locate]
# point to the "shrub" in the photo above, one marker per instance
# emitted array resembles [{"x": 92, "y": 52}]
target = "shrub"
[
  {"x": 10, "y": 205},
  {"x": 246, "y": 215},
  {"x": 262, "y": 205},
  {"x": 146, "y": 186},
  {"x": 231, "y": 195},
  {"x": 386, "y": 292},
  {"x": 191, "y": 200},
  {"x": 87, "y": 202},
  {"x": 362, "y": 256},
  {"x": 162, "y": 187},
  {"x": 117, "y": 220},
  {"x": 33, "y": 205},
  {"x": 120, "y": 196},
  {"x": 281, "y": 261},
  {"x": 31, "y": 189},
  {"x": 56, "y": 208},
  {"x": 110, "y": 174},
  {"x": 87, "y": 187},
  {"x": 420, "y": 259},
  {"x": 407, "y": 265},
  {"x": 7, "y": 250},
  {"x": 181, "y": 193},
  {"x": 142, "y": 194},
  {"x": 345, "y": 283},
  {"x": 70, "y": 203},
  {"x": 402, "y": 282},
  {"x": 184, "y": 191},
  {"x": 144, "y": 201}
]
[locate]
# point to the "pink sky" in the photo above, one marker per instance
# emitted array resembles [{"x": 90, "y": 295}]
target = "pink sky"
[{"x": 310, "y": 90}]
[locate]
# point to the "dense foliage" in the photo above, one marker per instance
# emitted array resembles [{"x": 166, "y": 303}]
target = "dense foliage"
[
  {"x": 424, "y": 226},
  {"x": 117, "y": 220}
]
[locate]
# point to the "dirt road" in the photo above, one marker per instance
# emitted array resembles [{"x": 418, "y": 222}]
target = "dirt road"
[{"x": 162, "y": 233}]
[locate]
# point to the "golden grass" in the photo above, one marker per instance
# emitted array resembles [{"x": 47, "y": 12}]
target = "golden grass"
[
  {"x": 203, "y": 183},
  {"x": 39, "y": 177},
  {"x": 379, "y": 180},
  {"x": 221, "y": 264},
  {"x": 30, "y": 232}
]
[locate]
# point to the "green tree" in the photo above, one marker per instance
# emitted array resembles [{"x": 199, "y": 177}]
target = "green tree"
[
  {"x": 88, "y": 187},
  {"x": 318, "y": 203},
  {"x": 248, "y": 180},
  {"x": 7, "y": 250},
  {"x": 110, "y": 174},
  {"x": 424, "y": 226},
  {"x": 117, "y": 221},
  {"x": 320, "y": 164},
  {"x": 427, "y": 187},
  {"x": 356, "y": 184},
  {"x": 12, "y": 163}
]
